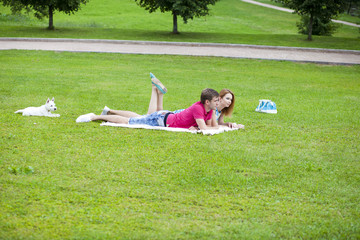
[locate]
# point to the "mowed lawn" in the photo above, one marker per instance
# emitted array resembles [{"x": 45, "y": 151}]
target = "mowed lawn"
[
  {"x": 230, "y": 21},
  {"x": 291, "y": 175}
]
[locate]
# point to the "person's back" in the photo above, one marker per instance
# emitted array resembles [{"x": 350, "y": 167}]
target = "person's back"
[{"x": 187, "y": 118}]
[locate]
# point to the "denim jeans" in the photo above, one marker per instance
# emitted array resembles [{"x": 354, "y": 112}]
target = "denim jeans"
[{"x": 153, "y": 119}]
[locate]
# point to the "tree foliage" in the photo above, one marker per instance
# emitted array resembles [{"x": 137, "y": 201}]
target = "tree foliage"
[
  {"x": 321, "y": 27},
  {"x": 186, "y": 9},
  {"x": 352, "y": 7},
  {"x": 44, "y": 8},
  {"x": 324, "y": 10}
]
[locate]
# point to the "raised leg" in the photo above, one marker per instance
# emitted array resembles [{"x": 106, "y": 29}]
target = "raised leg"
[
  {"x": 153, "y": 105},
  {"x": 160, "y": 101}
]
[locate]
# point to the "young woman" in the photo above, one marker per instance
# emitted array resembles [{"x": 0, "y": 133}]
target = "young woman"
[{"x": 225, "y": 107}]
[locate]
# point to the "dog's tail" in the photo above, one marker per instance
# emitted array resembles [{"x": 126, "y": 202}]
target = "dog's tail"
[{"x": 19, "y": 111}]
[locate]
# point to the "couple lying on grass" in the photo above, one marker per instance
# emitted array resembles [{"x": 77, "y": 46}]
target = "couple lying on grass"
[{"x": 207, "y": 114}]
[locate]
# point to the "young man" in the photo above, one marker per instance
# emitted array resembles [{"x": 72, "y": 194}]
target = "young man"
[{"x": 198, "y": 116}]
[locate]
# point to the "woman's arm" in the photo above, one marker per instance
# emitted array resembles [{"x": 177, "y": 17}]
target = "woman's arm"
[
  {"x": 221, "y": 120},
  {"x": 228, "y": 124}
]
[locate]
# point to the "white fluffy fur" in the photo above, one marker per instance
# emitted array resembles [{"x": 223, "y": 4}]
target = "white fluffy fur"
[{"x": 44, "y": 110}]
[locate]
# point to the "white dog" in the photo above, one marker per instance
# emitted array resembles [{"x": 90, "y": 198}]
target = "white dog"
[{"x": 44, "y": 110}]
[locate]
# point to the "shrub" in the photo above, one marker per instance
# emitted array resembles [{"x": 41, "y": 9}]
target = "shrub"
[{"x": 321, "y": 26}]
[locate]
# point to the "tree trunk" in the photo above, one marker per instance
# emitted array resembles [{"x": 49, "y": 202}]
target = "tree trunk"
[
  {"x": 310, "y": 28},
  {"x": 349, "y": 8},
  {"x": 175, "y": 25},
  {"x": 51, "y": 19}
]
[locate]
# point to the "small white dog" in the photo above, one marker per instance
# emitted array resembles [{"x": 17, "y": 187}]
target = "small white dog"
[{"x": 44, "y": 110}]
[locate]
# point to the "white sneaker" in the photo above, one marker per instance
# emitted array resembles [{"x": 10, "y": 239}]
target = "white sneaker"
[
  {"x": 85, "y": 118},
  {"x": 105, "y": 110}
]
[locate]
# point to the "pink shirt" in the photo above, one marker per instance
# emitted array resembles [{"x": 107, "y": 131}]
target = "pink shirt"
[{"x": 186, "y": 118}]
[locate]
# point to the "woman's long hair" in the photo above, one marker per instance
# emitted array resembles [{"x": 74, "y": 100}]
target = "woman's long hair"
[{"x": 228, "y": 110}]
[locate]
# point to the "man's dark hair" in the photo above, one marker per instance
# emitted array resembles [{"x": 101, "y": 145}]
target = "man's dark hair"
[{"x": 208, "y": 94}]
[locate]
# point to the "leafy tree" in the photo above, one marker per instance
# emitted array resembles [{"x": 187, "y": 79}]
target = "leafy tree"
[
  {"x": 322, "y": 27},
  {"x": 187, "y": 9},
  {"x": 351, "y": 4},
  {"x": 44, "y": 8},
  {"x": 321, "y": 9}
]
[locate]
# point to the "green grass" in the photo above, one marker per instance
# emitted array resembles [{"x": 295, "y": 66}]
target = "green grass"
[
  {"x": 230, "y": 21},
  {"x": 349, "y": 18},
  {"x": 293, "y": 175}
]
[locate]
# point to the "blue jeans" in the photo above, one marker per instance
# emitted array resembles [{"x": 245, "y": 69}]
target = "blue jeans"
[{"x": 153, "y": 119}]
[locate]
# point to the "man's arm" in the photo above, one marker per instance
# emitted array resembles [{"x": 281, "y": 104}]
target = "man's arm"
[
  {"x": 212, "y": 122},
  {"x": 202, "y": 125}
]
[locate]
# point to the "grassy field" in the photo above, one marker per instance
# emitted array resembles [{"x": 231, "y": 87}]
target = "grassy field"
[
  {"x": 230, "y": 21},
  {"x": 293, "y": 175}
]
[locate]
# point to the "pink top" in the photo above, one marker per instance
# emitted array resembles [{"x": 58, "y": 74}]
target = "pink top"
[{"x": 186, "y": 118}]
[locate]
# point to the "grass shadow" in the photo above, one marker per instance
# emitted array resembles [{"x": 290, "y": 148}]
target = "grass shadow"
[{"x": 291, "y": 40}]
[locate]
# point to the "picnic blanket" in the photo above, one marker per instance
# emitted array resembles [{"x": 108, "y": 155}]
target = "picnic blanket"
[{"x": 204, "y": 132}]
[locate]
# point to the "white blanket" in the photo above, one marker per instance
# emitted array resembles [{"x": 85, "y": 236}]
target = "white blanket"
[{"x": 205, "y": 132}]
